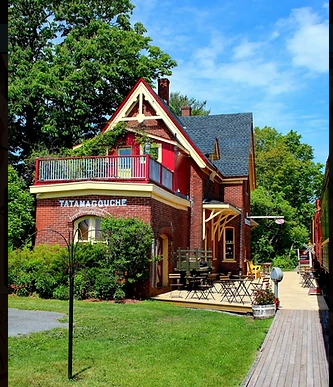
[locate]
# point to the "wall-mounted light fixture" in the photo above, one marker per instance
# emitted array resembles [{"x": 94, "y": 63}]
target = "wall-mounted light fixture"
[{"x": 146, "y": 147}]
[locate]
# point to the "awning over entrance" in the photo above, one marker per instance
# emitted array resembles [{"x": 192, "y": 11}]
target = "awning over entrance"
[{"x": 218, "y": 214}]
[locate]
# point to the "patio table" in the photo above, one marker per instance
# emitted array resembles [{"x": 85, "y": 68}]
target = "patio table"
[
  {"x": 308, "y": 279},
  {"x": 193, "y": 283},
  {"x": 227, "y": 288},
  {"x": 235, "y": 289}
]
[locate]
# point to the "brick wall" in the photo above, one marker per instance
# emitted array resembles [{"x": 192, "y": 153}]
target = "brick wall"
[
  {"x": 233, "y": 194},
  {"x": 164, "y": 219},
  {"x": 172, "y": 222},
  {"x": 196, "y": 196},
  {"x": 50, "y": 214}
]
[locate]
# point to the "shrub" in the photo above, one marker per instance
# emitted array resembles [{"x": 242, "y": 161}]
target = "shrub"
[
  {"x": 44, "y": 284},
  {"x": 119, "y": 295},
  {"x": 38, "y": 271},
  {"x": 90, "y": 255},
  {"x": 285, "y": 262},
  {"x": 61, "y": 292},
  {"x": 105, "y": 285},
  {"x": 128, "y": 247},
  {"x": 102, "y": 270}
]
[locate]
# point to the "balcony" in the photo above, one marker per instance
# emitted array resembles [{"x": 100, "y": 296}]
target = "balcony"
[{"x": 138, "y": 169}]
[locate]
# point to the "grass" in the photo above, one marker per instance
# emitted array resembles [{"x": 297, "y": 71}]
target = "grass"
[{"x": 148, "y": 344}]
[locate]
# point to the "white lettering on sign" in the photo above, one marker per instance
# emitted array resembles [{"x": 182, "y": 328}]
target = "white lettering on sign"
[{"x": 93, "y": 203}]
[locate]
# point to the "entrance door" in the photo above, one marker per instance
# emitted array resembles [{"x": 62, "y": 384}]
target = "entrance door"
[
  {"x": 124, "y": 163},
  {"x": 162, "y": 264}
]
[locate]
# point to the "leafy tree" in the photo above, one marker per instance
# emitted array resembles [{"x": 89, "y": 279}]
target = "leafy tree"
[
  {"x": 71, "y": 64},
  {"x": 20, "y": 210},
  {"x": 288, "y": 182},
  {"x": 177, "y": 101}
]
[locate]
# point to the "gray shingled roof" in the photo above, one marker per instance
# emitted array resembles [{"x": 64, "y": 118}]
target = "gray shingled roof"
[{"x": 233, "y": 132}]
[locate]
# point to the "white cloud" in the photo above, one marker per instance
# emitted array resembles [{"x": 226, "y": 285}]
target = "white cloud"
[
  {"x": 275, "y": 69},
  {"x": 246, "y": 49},
  {"x": 274, "y": 35},
  {"x": 309, "y": 43}
]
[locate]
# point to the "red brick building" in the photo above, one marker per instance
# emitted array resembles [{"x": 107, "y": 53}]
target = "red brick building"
[{"x": 195, "y": 192}]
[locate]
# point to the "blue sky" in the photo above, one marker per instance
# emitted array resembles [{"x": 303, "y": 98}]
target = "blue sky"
[{"x": 268, "y": 58}]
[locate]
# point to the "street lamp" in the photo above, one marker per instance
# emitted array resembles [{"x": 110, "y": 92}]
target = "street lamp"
[{"x": 71, "y": 248}]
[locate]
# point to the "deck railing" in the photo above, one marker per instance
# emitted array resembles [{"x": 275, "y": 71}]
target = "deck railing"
[{"x": 110, "y": 168}]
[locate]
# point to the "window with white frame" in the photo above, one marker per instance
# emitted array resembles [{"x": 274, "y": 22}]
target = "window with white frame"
[
  {"x": 89, "y": 229},
  {"x": 155, "y": 151},
  {"x": 229, "y": 244}
]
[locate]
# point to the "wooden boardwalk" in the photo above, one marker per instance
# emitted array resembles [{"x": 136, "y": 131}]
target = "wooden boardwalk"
[{"x": 294, "y": 352}]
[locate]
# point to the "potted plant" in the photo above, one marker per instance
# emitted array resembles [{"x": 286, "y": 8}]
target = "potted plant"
[{"x": 264, "y": 303}]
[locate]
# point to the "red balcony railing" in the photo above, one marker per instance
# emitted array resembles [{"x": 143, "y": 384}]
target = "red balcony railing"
[{"x": 109, "y": 168}]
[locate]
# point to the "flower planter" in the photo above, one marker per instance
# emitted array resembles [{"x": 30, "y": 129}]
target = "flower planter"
[{"x": 263, "y": 311}]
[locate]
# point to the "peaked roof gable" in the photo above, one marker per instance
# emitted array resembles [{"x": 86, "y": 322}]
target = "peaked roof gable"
[
  {"x": 141, "y": 93},
  {"x": 226, "y": 137}
]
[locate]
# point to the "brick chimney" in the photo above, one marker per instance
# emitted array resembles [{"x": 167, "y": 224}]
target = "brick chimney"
[
  {"x": 186, "y": 111},
  {"x": 163, "y": 89}
]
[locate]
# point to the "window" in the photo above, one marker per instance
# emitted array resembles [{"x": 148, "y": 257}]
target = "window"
[
  {"x": 229, "y": 245},
  {"x": 89, "y": 229},
  {"x": 124, "y": 163},
  {"x": 155, "y": 151}
]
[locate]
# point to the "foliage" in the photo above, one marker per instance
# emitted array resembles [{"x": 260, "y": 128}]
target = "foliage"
[
  {"x": 288, "y": 182},
  {"x": 102, "y": 270},
  {"x": 38, "y": 271},
  {"x": 139, "y": 341},
  {"x": 119, "y": 295},
  {"x": 263, "y": 296},
  {"x": 105, "y": 284},
  {"x": 71, "y": 64},
  {"x": 177, "y": 101},
  {"x": 61, "y": 292},
  {"x": 20, "y": 210},
  {"x": 142, "y": 138},
  {"x": 102, "y": 143},
  {"x": 285, "y": 262},
  {"x": 128, "y": 246}
]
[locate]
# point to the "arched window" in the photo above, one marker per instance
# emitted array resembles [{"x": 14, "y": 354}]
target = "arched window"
[{"x": 89, "y": 229}]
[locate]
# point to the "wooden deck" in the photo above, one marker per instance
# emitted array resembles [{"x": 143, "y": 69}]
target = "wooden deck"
[
  {"x": 294, "y": 352},
  {"x": 178, "y": 297}
]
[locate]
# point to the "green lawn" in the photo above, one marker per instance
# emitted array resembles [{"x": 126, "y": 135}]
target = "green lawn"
[{"x": 148, "y": 344}]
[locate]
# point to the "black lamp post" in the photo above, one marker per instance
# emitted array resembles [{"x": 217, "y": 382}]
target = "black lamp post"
[
  {"x": 71, "y": 245},
  {"x": 71, "y": 252}
]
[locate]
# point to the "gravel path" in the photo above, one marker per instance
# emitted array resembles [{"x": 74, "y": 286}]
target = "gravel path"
[{"x": 23, "y": 322}]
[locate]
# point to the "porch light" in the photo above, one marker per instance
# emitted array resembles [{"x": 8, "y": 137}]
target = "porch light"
[{"x": 146, "y": 147}]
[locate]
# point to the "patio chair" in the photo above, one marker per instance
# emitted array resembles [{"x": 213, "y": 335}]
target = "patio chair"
[
  {"x": 174, "y": 282},
  {"x": 253, "y": 269}
]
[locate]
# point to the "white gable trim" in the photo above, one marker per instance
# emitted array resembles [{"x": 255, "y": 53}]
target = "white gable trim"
[{"x": 137, "y": 96}]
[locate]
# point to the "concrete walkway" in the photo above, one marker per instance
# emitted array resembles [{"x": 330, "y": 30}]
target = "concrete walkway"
[
  {"x": 293, "y": 296},
  {"x": 295, "y": 350}
]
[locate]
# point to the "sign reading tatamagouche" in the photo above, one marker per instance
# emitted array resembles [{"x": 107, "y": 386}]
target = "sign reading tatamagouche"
[{"x": 93, "y": 203}]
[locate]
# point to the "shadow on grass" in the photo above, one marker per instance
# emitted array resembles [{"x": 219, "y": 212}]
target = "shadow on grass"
[{"x": 76, "y": 376}]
